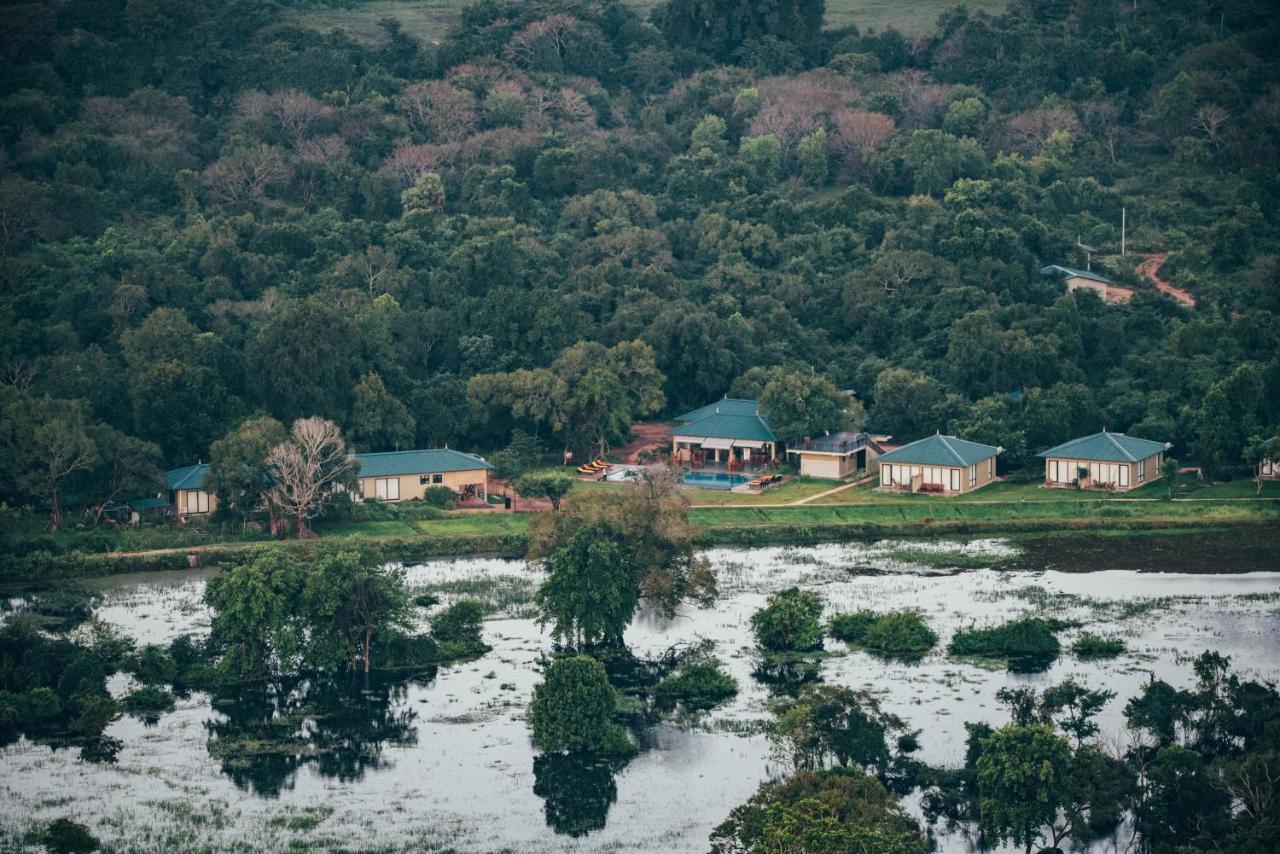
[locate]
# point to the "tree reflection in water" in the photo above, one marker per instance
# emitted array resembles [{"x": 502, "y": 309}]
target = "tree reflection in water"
[
  {"x": 336, "y": 724},
  {"x": 784, "y": 674},
  {"x": 578, "y": 790}
]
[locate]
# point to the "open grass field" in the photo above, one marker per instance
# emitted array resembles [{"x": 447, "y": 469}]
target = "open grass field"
[{"x": 428, "y": 20}]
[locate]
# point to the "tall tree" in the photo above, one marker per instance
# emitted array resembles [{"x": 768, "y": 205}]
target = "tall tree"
[
  {"x": 379, "y": 421},
  {"x": 238, "y": 471},
  {"x": 46, "y": 441}
]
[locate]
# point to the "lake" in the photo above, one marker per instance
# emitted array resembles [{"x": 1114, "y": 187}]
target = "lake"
[{"x": 446, "y": 760}]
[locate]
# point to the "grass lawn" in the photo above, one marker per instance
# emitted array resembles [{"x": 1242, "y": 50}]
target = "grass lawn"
[{"x": 429, "y": 20}]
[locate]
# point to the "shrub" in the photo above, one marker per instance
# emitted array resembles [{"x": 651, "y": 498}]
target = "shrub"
[
  {"x": 459, "y": 629},
  {"x": 899, "y": 634},
  {"x": 1089, "y": 645},
  {"x": 148, "y": 703},
  {"x": 154, "y": 666},
  {"x": 789, "y": 622},
  {"x": 851, "y": 628},
  {"x": 64, "y": 836},
  {"x": 573, "y": 710},
  {"x": 94, "y": 712},
  {"x": 441, "y": 497},
  {"x": 1027, "y": 638},
  {"x": 696, "y": 685}
]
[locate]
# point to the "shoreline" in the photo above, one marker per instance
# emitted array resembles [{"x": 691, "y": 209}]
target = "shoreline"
[{"x": 40, "y": 566}]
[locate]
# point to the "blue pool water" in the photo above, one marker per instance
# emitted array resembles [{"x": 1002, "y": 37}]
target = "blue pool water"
[{"x": 713, "y": 480}]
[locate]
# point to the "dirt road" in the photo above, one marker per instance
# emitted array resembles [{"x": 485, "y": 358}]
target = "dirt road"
[{"x": 1149, "y": 268}]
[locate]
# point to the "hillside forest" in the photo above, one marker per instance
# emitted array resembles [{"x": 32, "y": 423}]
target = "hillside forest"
[{"x": 565, "y": 217}]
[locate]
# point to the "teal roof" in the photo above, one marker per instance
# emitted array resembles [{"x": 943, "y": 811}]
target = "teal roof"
[
  {"x": 1107, "y": 447},
  {"x": 728, "y": 406},
  {"x": 187, "y": 477},
  {"x": 749, "y": 427},
  {"x": 1073, "y": 273},
  {"x": 393, "y": 463},
  {"x": 939, "y": 450}
]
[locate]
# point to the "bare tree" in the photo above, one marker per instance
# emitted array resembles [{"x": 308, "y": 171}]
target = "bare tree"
[
  {"x": 245, "y": 177},
  {"x": 1103, "y": 118},
  {"x": 308, "y": 470},
  {"x": 1029, "y": 131},
  {"x": 438, "y": 110},
  {"x": 1209, "y": 120},
  {"x": 541, "y": 40},
  {"x": 863, "y": 128},
  {"x": 17, "y": 373}
]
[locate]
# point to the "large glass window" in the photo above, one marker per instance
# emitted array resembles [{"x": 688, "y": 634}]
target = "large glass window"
[
  {"x": 386, "y": 488},
  {"x": 955, "y": 479}
]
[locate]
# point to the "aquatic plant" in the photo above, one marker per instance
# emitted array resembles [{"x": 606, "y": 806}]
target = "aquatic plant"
[
  {"x": 789, "y": 622},
  {"x": 696, "y": 685},
  {"x": 1027, "y": 642},
  {"x": 1089, "y": 645},
  {"x": 894, "y": 634},
  {"x": 573, "y": 710}
]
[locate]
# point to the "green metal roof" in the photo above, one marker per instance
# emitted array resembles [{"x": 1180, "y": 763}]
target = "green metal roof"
[
  {"x": 1073, "y": 273},
  {"x": 749, "y": 427},
  {"x": 187, "y": 477},
  {"x": 728, "y": 406},
  {"x": 1107, "y": 447},
  {"x": 939, "y": 450},
  {"x": 393, "y": 463}
]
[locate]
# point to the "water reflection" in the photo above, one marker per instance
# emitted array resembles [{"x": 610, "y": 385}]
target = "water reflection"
[
  {"x": 577, "y": 790},
  {"x": 340, "y": 726},
  {"x": 784, "y": 675}
]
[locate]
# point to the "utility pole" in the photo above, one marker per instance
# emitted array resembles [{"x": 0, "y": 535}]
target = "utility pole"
[{"x": 1124, "y": 222}]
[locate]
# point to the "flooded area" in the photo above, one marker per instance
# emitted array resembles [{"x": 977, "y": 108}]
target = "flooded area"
[{"x": 446, "y": 760}]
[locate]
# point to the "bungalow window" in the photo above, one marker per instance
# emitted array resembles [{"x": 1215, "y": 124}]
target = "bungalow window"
[
  {"x": 196, "y": 501},
  {"x": 973, "y": 476},
  {"x": 1142, "y": 472},
  {"x": 386, "y": 488},
  {"x": 955, "y": 479},
  {"x": 991, "y": 462},
  {"x": 437, "y": 478},
  {"x": 1268, "y": 467},
  {"x": 1124, "y": 475}
]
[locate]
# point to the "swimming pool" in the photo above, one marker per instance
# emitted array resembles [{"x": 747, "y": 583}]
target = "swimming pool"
[{"x": 712, "y": 479}]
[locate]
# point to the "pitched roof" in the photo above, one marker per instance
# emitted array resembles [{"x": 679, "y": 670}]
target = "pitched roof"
[
  {"x": 939, "y": 450},
  {"x": 748, "y": 427},
  {"x": 1107, "y": 447},
  {"x": 1072, "y": 273},
  {"x": 392, "y": 463},
  {"x": 727, "y": 406},
  {"x": 187, "y": 477}
]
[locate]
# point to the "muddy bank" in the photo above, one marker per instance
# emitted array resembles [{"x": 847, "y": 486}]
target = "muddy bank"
[{"x": 1215, "y": 552}]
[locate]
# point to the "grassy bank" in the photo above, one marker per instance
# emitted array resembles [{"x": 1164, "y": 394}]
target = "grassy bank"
[{"x": 850, "y": 515}]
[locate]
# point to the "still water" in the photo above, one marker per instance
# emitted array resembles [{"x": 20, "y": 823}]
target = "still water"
[{"x": 446, "y": 760}]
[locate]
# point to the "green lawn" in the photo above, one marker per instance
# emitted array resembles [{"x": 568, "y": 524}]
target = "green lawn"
[{"x": 429, "y": 20}]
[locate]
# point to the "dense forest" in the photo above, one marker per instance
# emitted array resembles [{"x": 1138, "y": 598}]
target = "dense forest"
[{"x": 564, "y": 217}]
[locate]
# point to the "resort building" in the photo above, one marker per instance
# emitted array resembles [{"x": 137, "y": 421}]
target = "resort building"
[
  {"x": 729, "y": 433},
  {"x": 1085, "y": 280},
  {"x": 407, "y": 475},
  {"x": 391, "y": 476},
  {"x": 938, "y": 464},
  {"x": 186, "y": 490},
  {"x": 1111, "y": 461},
  {"x": 836, "y": 456}
]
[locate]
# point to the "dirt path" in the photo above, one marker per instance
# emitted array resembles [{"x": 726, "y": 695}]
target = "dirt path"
[
  {"x": 1149, "y": 268},
  {"x": 644, "y": 435}
]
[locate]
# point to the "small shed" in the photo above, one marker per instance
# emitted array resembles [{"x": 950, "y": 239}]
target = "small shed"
[
  {"x": 1087, "y": 280},
  {"x": 838, "y": 455}
]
